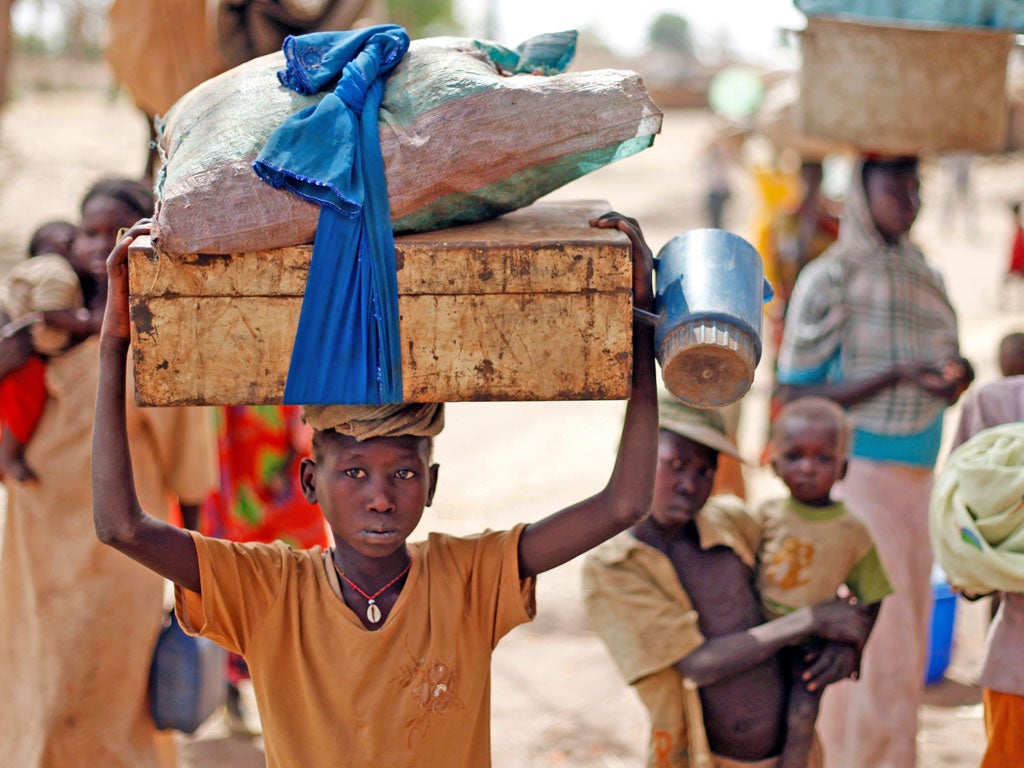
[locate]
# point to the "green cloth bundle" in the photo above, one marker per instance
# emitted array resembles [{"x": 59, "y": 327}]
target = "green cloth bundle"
[{"x": 976, "y": 516}]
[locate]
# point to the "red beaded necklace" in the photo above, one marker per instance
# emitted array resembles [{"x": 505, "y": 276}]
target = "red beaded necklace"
[{"x": 372, "y": 610}]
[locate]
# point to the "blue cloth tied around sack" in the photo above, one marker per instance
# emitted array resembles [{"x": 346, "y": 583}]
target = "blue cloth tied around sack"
[{"x": 347, "y": 346}]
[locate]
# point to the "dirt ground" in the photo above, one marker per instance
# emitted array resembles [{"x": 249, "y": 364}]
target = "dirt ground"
[{"x": 557, "y": 700}]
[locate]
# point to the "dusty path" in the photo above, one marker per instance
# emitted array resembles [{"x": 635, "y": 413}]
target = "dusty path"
[{"x": 557, "y": 699}]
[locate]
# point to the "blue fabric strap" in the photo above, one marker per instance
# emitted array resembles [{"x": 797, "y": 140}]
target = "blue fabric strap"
[{"x": 347, "y": 346}]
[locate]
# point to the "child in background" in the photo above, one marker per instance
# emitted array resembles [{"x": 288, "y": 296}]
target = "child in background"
[
  {"x": 42, "y": 299},
  {"x": 808, "y": 546},
  {"x": 1011, "y": 354},
  {"x": 56, "y": 237},
  {"x": 673, "y": 601},
  {"x": 53, "y": 237},
  {"x": 376, "y": 652}
]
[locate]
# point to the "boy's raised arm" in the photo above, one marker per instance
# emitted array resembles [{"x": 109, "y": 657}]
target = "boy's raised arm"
[
  {"x": 626, "y": 499},
  {"x": 120, "y": 520}
]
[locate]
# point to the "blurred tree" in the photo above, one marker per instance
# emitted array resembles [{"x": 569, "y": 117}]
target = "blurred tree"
[
  {"x": 422, "y": 18},
  {"x": 672, "y": 32},
  {"x": 83, "y": 32},
  {"x": 74, "y": 27}
]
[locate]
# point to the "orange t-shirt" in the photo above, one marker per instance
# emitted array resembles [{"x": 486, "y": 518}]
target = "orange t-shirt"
[{"x": 415, "y": 692}]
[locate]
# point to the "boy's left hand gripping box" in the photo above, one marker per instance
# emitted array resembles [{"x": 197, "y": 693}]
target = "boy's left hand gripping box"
[{"x": 534, "y": 305}]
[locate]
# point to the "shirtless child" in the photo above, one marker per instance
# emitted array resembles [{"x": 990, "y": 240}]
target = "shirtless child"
[{"x": 673, "y": 600}]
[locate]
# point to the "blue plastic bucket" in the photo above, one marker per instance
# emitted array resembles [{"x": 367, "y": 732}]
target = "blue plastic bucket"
[
  {"x": 940, "y": 634},
  {"x": 710, "y": 293}
]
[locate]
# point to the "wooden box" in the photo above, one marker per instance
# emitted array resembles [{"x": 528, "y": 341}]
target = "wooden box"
[
  {"x": 901, "y": 88},
  {"x": 535, "y": 305}
]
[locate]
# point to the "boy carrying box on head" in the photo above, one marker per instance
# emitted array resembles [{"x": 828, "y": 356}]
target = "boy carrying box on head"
[
  {"x": 673, "y": 600},
  {"x": 1011, "y": 354},
  {"x": 376, "y": 652},
  {"x": 808, "y": 546}
]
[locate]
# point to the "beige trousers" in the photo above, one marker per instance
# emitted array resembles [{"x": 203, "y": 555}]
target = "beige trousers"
[{"x": 873, "y": 721}]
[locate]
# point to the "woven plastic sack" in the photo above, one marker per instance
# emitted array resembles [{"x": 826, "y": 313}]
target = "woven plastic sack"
[{"x": 462, "y": 141}]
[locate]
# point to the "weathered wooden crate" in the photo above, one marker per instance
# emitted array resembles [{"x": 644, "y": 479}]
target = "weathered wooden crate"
[
  {"x": 535, "y": 305},
  {"x": 904, "y": 89}
]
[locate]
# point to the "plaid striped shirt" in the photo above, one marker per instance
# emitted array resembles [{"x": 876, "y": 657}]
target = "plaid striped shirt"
[{"x": 860, "y": 308}]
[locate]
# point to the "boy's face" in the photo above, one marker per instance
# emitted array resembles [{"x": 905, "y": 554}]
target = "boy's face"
[
  {"x": 682, "y": 484},
  {"x": 372, "y": 493},
  {"x": 893, "y": 200},
  {"x": 1011, "y": 362},
  {"x": 806, "y": 456}
]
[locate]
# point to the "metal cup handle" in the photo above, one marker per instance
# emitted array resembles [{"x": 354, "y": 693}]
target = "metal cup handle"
[{"x": 645, "y": 317}]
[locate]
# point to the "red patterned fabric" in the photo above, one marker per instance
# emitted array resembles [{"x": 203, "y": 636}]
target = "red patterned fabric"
[{"x": 259, "y": 499}]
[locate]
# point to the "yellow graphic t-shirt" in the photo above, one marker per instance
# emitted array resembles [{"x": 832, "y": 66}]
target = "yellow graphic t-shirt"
[{"x": 804, "y": 554}]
